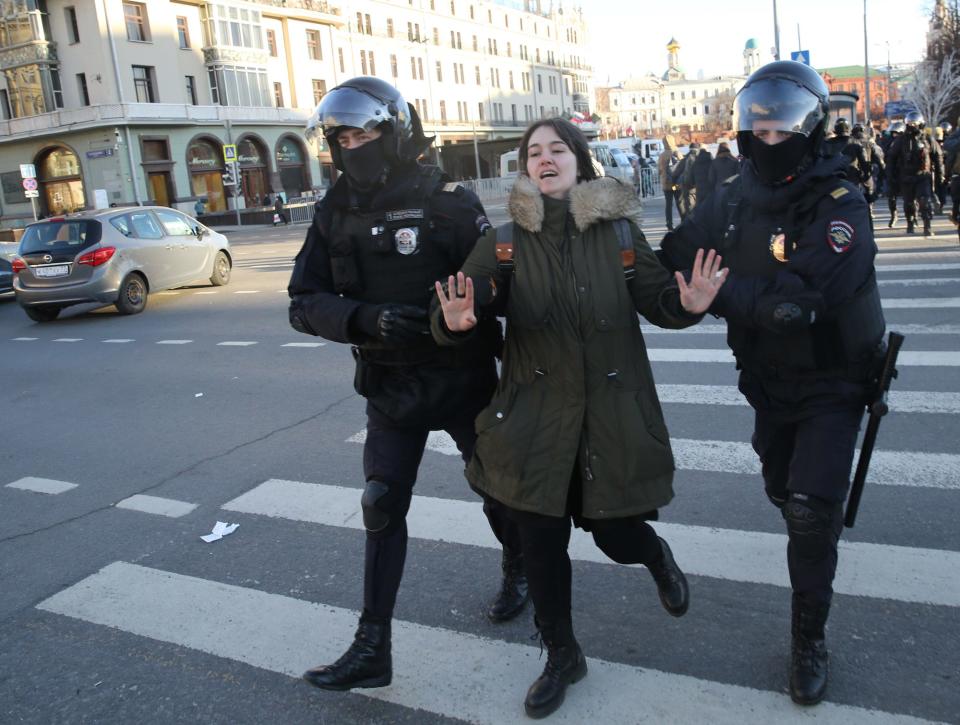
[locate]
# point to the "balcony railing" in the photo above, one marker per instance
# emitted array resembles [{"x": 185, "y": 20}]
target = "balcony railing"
[{"x": 173, "y": 113}]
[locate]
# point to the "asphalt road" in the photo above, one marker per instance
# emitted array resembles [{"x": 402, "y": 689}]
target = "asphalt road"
[{"x": 208, "y": 407}]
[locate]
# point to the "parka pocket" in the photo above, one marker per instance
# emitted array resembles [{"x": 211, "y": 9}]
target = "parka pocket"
[
  {"x": 507, "y": 427},
  {"x": 644, "y": 437}
]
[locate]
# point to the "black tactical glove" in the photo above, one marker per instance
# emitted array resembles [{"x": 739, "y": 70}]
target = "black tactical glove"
[
  {"x": 298, "y": 317},
  {"x": 789, "y": 313},
  {"x": 393, "y": 324}
]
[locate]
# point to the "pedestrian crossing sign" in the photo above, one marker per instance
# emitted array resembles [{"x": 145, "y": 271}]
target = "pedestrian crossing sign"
[{"x": 801, "y": 56}]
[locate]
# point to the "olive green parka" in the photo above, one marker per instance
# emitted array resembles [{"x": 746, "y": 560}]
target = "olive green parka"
[{"x": 576, "y": 390}]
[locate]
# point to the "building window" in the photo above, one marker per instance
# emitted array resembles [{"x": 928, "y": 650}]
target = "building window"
[
  {"x": 539, "y": 84},
  {"x": 478, "y": 75},
  {"x": 183, "y": 32},
  {"x": 420, "y": 68},
  {"x": 135, "y": 16},
  {"x": 706, "y": 110},
  {"x": 340, "y": 59},
  {"x": 82, "y": 89},
  {"x": 278, "y": 95},
  {"x": 314, "y": 52},
  {"x": 238, "y": 86},
  {"x": 480, "y": 110},
  {"x": 439, "y": 72},
  {"x": 443, "y": 111},
  {"x": 393, "y": 66},
  {"x": 453, "y": 8},
  {"x": 232, "y": 26},
  {"x": 143, "y": 83},
  {"x": 511, "y": 81},
  {"x": 436, "y": 36},
  {"x": 389, "y": 27},
  {"x": 319, "y": 89},
  {"x": 413, "y": 68},
  {"x": 191, "y": 82},
  {"x": 272, "y": 43},
  {"x": 73, "y": 30}
]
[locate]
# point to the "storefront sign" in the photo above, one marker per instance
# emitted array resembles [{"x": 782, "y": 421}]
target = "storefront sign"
[
  {"x": 28, "y": 171},
  {"x": 99, "y": 153}
]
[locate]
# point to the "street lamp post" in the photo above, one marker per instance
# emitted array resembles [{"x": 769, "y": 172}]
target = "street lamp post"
[
  {"x": 776, "y": 32},
  {"x": 866, "y": 67}
]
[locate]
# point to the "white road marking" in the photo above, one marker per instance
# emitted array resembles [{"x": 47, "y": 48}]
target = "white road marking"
[
  {"x": 119, "y": 340},
  {"x": 943, "y": 358},
  {"x": 913, "y": 255},
  {"x": 236, "y": 343},
  {"x": 166, "y": 293},
  {"x": 174, "y": 342},
  {"x": 718, "y": 329},
  {"x": 276, "y": 265},
  {"x": 68, "y": 339},
  {"x": 157, "y": 505},
  {"x": 24, "y": 339},
  {"x": 920, "y": 282},
  {"x": 42, "y": 485},
  {"x": 303, "y": 344},
  {"x": 921, "y": 303},
  {"x": 246, "y": 292},
  {"x": 916, "y": 267},
  {"x": 471, "y": 678},
  {"x": 901, "y": 401},
  {"x": 871, "y": 570},
  {"x": 887, "y": 468},
  {"x": 206, "y": 292}
]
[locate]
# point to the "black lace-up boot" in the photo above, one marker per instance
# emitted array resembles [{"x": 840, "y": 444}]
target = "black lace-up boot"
[
  {"x": 565, "y": 666},
  {"x": 671, "y": 583},
  {"x": 513, "y": 588},
  {"x": 809, "y": 662},
  {"x": 367, "y": 663}
]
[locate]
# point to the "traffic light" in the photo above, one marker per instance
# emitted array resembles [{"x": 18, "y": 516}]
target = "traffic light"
[{"x": 230, "y": 175}]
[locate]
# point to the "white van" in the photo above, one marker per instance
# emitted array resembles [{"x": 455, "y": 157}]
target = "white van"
[{"x": 510, "y": 164}]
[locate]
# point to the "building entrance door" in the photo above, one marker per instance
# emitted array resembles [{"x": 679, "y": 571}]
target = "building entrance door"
[{"x": 160, "y": 188}]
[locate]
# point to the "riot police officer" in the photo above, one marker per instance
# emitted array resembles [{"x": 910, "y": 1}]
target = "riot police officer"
[
  {"x": 858, "y": 167},
  {"x": 916, "y": 165},
  {"x": 387, "y": 230},
  {"x": 889, "y": 137},
  {"x": 804, "y": 322},
  {"x": 873, "y": 155}
]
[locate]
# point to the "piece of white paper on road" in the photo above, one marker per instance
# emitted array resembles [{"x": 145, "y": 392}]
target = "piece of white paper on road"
[{"x": 220, "y": 529}]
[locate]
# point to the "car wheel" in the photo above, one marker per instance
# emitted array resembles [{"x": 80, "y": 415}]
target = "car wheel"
[
  {"x": 221, "y": 270},
  {"x": 133, "y": 295},
  {"x": 42, "y": 314}
]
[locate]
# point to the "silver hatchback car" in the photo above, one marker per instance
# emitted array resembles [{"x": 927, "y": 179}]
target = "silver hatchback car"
[{"x": 114, "y": 256}]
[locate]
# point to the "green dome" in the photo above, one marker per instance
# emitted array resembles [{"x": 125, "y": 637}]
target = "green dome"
[{"x": 751, "y": 44}]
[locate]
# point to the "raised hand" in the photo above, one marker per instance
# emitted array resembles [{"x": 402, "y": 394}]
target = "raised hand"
[
  {"x": 457, "y": 303},
  {"x": 706, "y": 279}
]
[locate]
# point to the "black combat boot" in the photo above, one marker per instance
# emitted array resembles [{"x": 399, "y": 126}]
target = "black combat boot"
[
  {"x": 671, "y": 583},
  {"x": 366, "y": 664},
  {"x": 809, "y": 662},
  {"x": 910, "y": 223},
  {"x": 893, "y": 219},
  {"x": 513, "y": 588},
  {"x": 927, "y": 231},
  {"x": 565, "y": 666}
]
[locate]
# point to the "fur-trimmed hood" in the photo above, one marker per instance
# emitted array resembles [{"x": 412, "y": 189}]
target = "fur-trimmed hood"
[{"x": 590, "y": 202}]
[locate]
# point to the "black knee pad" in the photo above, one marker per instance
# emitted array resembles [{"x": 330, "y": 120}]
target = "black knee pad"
[
  {"x": 384, "y": 506},
  {"x": 813, "y": 525}
]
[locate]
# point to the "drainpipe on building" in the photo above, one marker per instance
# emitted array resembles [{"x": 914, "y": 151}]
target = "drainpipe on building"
[{"x": 126, "y": 130}]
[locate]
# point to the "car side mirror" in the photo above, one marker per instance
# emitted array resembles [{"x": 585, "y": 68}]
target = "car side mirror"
[{"x": 199, "y": 231}]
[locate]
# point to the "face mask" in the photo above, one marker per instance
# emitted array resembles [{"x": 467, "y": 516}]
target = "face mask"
[
  {"x": 778, "y": 162},
  {"x": 364, "y": 165},
  {"x": 913, "y": 130}
]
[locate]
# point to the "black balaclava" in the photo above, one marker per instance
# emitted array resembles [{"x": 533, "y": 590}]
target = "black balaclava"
[
  {"x": 365, "y": 165},
  {"x": 779, "y": 162},
  {"x": 913, "y": 130}
]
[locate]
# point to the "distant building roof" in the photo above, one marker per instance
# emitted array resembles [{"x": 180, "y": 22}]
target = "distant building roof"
[
  {"x": 850, "y": 71},
  {"x": 673, "y": 42},
  {"x": 751, "y": 44}
]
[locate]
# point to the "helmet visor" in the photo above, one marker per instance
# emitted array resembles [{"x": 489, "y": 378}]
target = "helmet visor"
[
  {"x": 349, "y": 107},
  {"x": 775, "y": 104}
]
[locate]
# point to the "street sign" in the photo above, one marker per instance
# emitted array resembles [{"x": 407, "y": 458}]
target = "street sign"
[
  {"x": 229, "y": 153},
  {"x": 28, "y": 171},
  {"x": 31, "y": 193},
  {"x": 898, "y": 109},
  {"x": 230, "y": 174},
  {"x": 30, "y": 184},
  {"x": 801, "y": 56}
]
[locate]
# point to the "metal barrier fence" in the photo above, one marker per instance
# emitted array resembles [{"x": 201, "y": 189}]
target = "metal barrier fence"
[{"x": 499, "y": 188}]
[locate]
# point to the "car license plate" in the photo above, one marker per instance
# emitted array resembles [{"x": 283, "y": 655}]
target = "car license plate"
[{"x": 57, "y": 270}]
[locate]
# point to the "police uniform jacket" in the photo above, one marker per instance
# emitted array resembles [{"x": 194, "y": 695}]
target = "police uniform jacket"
[
  {"x": 808, "y": 242},
  {"x": 576, "y": 395},
  {"x": 390, "y": 248}
]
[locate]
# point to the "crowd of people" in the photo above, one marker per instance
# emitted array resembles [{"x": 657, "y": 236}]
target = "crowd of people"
[{"x": 403, "y": 265}]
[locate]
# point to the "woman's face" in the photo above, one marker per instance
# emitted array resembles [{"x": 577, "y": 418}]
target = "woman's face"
[{"x": 550, "y": 163}]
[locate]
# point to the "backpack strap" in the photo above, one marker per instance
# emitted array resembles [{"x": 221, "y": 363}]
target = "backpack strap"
[
  {"x": 504, "y": 250},
  {"x": 627, "y": 254}
]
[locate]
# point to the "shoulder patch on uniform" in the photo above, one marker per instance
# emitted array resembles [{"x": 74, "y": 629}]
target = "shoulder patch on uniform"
[
  {"x": 839, "y": 235},
  {"x": 451, "y": 187},
  {"x": 837, "y": 193}
]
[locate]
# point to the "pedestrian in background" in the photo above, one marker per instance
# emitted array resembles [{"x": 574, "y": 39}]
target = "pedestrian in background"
[
  {"x": 279, "y": 215},
  {"x": 574, "y": 430},
  {"x": 723, "y": 166},
  {"x": 665, "y": 166}
]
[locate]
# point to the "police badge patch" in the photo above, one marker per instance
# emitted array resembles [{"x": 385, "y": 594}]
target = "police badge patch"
[
  {"x": 839, "y": 236},
  {"x": 778, "y": 247},
  {"x": 405, "y": 240}
]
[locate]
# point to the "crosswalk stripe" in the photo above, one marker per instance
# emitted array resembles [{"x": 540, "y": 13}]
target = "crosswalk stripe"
[
  {"x": 718, "y": 329},
  {"x": 236, "y": 343},
  {"x": 465, "y": 676},
  {"x": 174, "y": 342},
  {"x": 41, "y": 485},
  {"x": 157, "y": 505},
  {"x": 908, "y": 358},
  {"x": 119, "y": 340},
  {"x": 901, "y": 401},
  {"x": 946, "y": 266},
  {"x": 869, "y": 570},
  {"x": 921, "y": 303},
  {"x": 914, "y": 256},
  {"x": 24, "y": 339},
  {"x": 303, "y": 344},
  {"x": 887, "y": 468},
  {"x": 919, "y": 282}
]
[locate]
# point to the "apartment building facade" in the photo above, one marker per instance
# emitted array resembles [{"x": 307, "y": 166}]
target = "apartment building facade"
[{"x": 119, "y": 102}]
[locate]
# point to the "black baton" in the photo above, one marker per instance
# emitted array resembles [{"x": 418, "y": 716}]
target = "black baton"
[{"x": 877, "y": 409}]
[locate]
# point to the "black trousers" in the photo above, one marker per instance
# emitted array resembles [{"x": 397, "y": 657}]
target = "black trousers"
[
  {"x": 811, "y": 456},
  {"x": 544, "y": 541},
  {"x": 392, "y": 455},
  {"x": 917, "y": 190}
]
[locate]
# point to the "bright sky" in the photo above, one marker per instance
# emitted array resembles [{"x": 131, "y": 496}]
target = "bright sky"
[{"x": 631, "y": 37}]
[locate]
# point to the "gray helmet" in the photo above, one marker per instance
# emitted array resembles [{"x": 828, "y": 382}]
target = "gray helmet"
[
  {"x": 914, "y": 118},
  {"x": 368, "y": 103},
  {"x": 842, "y": 127},
  {"x": 947, "y": 127},
  {"x": 897, "y": 127}
]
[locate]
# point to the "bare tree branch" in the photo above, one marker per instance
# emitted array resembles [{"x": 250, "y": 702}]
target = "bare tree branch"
[{"x": 935, "y": 88}]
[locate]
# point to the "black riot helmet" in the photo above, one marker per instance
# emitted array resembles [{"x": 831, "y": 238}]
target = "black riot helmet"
[
  {"x": 781, "y": 96},
  {"x": 369, "y": 103},
  {"x": 842, "y": 127},
  {"x": 857, "y": 131},
  {"x": 946, "y": 127},
  {"x": 896, "y": 128}
]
